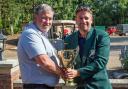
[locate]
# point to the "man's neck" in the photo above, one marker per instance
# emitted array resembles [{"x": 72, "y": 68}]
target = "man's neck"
[{"x": 83, "y": 34}]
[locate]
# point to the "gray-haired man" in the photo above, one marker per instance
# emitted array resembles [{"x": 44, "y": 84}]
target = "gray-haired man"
[{"x": 38, "y": 62}]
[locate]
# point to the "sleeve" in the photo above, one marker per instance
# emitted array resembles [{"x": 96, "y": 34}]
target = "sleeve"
[
  {"x": 32, "y": 44},
  {"x": 100, "y": 59}
]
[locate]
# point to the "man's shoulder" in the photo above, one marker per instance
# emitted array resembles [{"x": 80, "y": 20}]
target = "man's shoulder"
[
  {"x": 29, "y": 28},
  {"x": 74, "y": 33},
  {"x": 100, "y": 32}
]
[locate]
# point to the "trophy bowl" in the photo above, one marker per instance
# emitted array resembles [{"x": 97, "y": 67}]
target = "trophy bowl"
[{"x": 67, "y": 60}]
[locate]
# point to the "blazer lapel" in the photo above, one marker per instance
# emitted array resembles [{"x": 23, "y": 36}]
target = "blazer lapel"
[{"x": 88, "y": 42}]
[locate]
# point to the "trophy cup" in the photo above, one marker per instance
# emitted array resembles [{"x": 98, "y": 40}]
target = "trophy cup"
[{"x": 67, "y": 59}]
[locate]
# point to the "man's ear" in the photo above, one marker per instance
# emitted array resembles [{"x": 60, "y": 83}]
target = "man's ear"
[
  {"x": 75, "y": 18},
  {"x": 92, "y": 20}
]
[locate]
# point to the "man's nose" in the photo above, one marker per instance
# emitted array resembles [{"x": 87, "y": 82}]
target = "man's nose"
[
  {"x": 47, "y": 21},
  {"x": 83, "y": 20}
]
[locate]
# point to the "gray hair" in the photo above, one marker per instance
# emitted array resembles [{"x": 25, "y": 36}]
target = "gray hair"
[{"x": 43, "y": 8}]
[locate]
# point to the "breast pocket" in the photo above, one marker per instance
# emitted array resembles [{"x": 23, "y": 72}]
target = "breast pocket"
[{"x": 92, "y": 55}]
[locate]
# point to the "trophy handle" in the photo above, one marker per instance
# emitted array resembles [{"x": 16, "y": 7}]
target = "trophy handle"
[
  {"x": 74, "y": 57},
  {"x": 61, "y": 57}
]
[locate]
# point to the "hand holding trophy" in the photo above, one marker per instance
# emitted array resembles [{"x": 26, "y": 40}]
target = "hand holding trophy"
[{"x": 67, "y": 59}]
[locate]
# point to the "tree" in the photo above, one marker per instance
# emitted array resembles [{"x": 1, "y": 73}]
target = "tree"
[{"x": 19, "y": 12}]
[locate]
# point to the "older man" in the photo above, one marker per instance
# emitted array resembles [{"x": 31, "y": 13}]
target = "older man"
[{"x": 38, "y": 62}]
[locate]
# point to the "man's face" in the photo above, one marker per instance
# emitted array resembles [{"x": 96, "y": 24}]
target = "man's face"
[
  {"x": 84, "y": 21},
  {"x": 44, "y": 21}
]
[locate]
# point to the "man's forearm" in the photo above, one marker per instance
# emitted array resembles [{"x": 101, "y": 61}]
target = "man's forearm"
[{"x": 47, "y": 64}]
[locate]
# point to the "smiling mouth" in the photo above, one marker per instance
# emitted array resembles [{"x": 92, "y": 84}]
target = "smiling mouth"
[{"x": 84, "y": 24}]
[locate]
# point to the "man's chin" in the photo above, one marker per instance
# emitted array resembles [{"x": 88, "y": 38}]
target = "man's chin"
[
  {"x": 46, "y": 29},
  {"x": 85, "y": 30}
]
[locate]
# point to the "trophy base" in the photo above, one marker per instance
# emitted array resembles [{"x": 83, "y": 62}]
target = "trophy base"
[
  {"x": 65, "y": 84},
  {"x": 69, "y": 86},
  {"x": 69, "y": 82}
]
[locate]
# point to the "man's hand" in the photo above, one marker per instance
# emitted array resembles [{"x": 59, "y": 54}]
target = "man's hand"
[{"x": 71, "y": 73}]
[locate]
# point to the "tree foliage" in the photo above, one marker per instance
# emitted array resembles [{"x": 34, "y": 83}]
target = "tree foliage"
[{"x": 18, "y": 12}]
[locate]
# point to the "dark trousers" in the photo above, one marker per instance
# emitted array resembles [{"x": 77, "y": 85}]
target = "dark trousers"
[{"x": 36, "y": 86}]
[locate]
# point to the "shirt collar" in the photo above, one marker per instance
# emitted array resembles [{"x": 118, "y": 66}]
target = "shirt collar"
[
  {"x": 40, "y": 32},
  {"x": 88, "y": 34}
]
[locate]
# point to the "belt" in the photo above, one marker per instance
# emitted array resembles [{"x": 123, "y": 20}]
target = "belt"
[{"x": 35, "y": 86}]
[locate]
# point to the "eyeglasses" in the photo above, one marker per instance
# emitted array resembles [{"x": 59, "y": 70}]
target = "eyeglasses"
[{"x": 84, "y": 8}]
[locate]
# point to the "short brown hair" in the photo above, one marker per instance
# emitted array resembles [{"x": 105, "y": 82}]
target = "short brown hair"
[{"x": 83, "y": 8}]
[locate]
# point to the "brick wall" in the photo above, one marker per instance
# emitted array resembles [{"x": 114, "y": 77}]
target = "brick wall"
[
  {"x": 5, "y": 81},
  {"x": 9, "y": 72},
  {"x": 17, "y": 84}
]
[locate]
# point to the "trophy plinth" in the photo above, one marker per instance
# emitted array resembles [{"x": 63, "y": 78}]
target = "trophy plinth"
[
  {"x": 67, "y": 58},
  {"x": 69, "y": 82}
]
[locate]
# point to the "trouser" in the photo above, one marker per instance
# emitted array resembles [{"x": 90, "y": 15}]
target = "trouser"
[{"x": 36, "y": 86}]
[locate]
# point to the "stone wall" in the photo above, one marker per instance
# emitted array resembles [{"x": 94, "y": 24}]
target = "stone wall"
[{"x": 9, "y": 72}]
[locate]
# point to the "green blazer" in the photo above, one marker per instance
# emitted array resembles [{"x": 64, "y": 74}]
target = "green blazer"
[{"x": 92, "y": 66}]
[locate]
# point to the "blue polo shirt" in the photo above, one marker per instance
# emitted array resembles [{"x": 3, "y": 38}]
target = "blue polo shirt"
[{"x": 32, "y": 42}]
